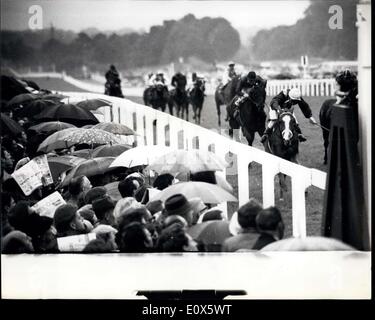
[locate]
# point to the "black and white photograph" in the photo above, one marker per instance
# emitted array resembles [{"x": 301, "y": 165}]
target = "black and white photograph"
[{"x": 186, "y": 149}]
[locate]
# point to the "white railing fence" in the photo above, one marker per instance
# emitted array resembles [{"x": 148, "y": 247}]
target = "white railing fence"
[
  {"x": 141, "y": 119},
  {"x": 308, "y": 87}
]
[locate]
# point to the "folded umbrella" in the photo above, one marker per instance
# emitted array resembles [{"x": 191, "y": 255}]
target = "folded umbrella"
[
  {"x": 51, "y": 126},
  {"x": 90, "y": 167},
  {"x": 140, "y": 156},
  {"x": 115, "y": 128},
  {"x": 68, "y": 113},
  {"x": 9, "y": 126},
  {"x": 188, "y": 161},
  {"x": 93, "y": 104},
  {"x": 209, "y": 193}
]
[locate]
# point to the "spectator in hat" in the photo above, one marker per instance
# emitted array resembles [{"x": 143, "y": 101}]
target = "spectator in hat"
[
  {"x": 178, "y": 204},
  {"x": 134, "y": 237},
  {"x": 16, "y": 242},
  {"x": 87, "y": 213},
  {"x": 243, "y": 225},
  {"x": 94, "y": 193},
  {"x": 128, "y": 187},
  {"x": 270, "y": 225},
  {"x": 77, "y": 186},
  {"x": 122, "y": 207},
  {"x": 103, "y": 208},
  {"x": 68, "y": 221},
  {"x": 175, "y": 239}
]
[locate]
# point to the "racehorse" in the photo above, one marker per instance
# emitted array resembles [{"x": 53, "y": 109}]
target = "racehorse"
[
  {"x": 225, "y": 97},
  {"x": 251, "y": 117},
  {"x": 325, "y": 114},
  {"x": 283, "y": 142},
  {"x": 113, "y": 89},
  {"x": 196, "y": 99},
  {"x": 179, "y": 97},
  {"x": 157, "y": 97}
]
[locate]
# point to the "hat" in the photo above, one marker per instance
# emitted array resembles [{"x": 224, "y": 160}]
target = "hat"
[
  {"x": 295, "y": 94},
  {"x": 252, "y": 75},
  {"x": 103, "y": 204},
  {"x": 95, "y": 193},
  {"x": 178, "y": 204},
  {"x": 155, "y": 206},
  {"x": 88, "y": 213},
  {"x": 63, "y": 215},
  {"x": 125, "y": 204}
]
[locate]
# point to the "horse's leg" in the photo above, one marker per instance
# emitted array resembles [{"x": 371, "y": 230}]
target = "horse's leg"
[
  {"x": 187, "y": 111},
  {"x": 199, "y": 115},
  {"x": 231, "y": 133},
  {"x": 218, "y": 113}
]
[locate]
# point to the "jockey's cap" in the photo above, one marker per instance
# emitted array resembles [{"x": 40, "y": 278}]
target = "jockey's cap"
[
  {"x": 295, "y": 94},
  {"x": 251, "y": 75},
  {"x": 231, "y": 63},
  {"x": 160, "y": 72}
]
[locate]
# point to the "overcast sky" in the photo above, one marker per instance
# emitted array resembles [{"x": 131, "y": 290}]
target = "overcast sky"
[{"x": 113, "y": 15}]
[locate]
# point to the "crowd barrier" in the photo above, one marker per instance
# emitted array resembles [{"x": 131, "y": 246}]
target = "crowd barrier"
[{"x": 156, "y": 127}]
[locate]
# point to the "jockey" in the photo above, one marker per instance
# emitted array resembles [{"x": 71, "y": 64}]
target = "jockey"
[
  {"x": 156, "y": 79},
  {"x": 228, "y": 74},
  {"x": 244, "y": 85},
  {"x": 286, "y": 99},
  {"x": 175, "y": 80}
]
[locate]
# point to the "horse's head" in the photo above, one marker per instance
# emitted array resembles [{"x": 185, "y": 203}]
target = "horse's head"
[
  {"x": 257, "y": 95},
  {"x": 200, "y": 84},
  {"x": 159, "y": 87},
  {"x": 287, "y": 124}
]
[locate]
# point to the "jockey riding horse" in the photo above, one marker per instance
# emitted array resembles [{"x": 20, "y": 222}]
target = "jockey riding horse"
[{"x": 179, "y": 97}]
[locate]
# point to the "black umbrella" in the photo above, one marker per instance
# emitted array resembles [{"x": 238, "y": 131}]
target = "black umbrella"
[
  {"x": 22, "y": 98},
  {"x": 31, "y": 84},
  {"x": 8, "y": 125},
  {"x": 93, "y": 104},
  {"x": 10, "y": 87},
  {"x": 33, "y": 108},
  {"x": 50, "y": 127},
  {"x": 69, "y": 113}
]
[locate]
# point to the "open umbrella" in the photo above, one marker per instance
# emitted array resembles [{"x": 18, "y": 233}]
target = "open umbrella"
[
  {"x": 11, "y": 87},
  {"x": 68, "y": 113},
  {"x": 110, "y": 150},
  {"x": 211, "y": 233},
  {"x": 91, "y": 137},
  {"x": 308, "y": 244},
  {"x": 56, "y": 141},
  {"x": 139, "y": 156},
  {"x": 22, "y": 98},
  {"x": 93, "y": 104},
  {"x": 51, "y": 126},
  {"x": 112, "y": 190},
  {"x": 83, "y": 153},
  {"x": 53, "y": 96},
  {"x": 9, "y": 126},
  {"x": 188, "y": 161},
  {"x": 115, "y": 128},
  {"x": 209, "y": 193},
  {"x": 90, "y": 167},
  {"x": 33, "y": 108},
  {"x": 61, "y": 164}
]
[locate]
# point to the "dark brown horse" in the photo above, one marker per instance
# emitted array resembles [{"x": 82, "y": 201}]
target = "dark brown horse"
[
  {"x": 157, "y": 97},
  {"x": 283, "y": 142},
  {"x": 196, "y": 99},
  {"x": 179, "y": 98}
]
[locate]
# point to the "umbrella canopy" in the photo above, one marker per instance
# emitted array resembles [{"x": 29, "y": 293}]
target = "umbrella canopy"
[
  {"x": 115, "y": 128},
  {"x": 83, "y": 153},
  {"x": 188, "y": 161},
  {"x": 68, "y": 113},
  {"x": 209, "y": 193},
  {"x": 93, "y": 104},
  {"x": 90, "y": 167},
  {"x": 308, "y": 244},
  {"x": 140, "y": 156},
  {"x": 61, "y": 164},
  {"x": 211, "y": 233},
  {"x": 33, "y": 108},
  {"x": 91, "y": 137},
  {"x": 112, "y": 190},
  {"x": 9, "y": 126},
  {"x": 11, "y": 87},
  {"x": 56, "y": 141},
  {"x": 53, "y": 96},
  {"x": 22, "y": 98},
  {"x": 51, "y": 126},
  {"x": 87, "y": 126},
  {"x": 110, "y": 150}
]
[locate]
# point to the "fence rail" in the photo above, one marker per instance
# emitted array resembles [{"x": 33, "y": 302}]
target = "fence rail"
[
  {"x": 142, "y": 119},
  {"x": 308, "y": 87}
]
